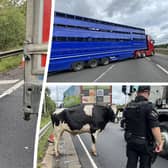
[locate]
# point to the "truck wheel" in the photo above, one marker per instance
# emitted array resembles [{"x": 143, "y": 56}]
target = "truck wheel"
[
  {"x": 164, "y": 132},
  {"x": 138, "y": 54},
  {"x": 93, "y": 63},
  {"x": 152, "y": 53},
  {"x": 77, "y": 66},
  {"x": 104, "y": 61},
  {"x": 143, "y": 55}
]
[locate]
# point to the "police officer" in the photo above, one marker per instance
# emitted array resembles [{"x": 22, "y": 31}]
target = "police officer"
[{"x": 142, "y": 131}]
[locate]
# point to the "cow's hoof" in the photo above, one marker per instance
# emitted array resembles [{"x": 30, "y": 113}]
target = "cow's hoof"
[
  {"x": 93, "y": 153},
  {"x": 57, "y": 154}
]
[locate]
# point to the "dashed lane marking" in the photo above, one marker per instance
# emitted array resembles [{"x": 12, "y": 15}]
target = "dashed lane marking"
[
  {"x": 4, "y": 82},
  {"x": 163, "y": 69},
  {"x": 104, "y": 73},
  {"x": 12, "y": 89},
  {"x": 87, "y": 153}
]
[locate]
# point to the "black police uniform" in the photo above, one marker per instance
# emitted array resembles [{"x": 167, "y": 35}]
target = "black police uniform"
[{"x": 140, "y": 117}]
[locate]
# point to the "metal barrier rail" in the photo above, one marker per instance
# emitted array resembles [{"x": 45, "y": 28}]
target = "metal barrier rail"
[
  {"x": 163, "y": 49},
  {"x": 44, "y": 129},
  {"x": 10, "y": 53}
]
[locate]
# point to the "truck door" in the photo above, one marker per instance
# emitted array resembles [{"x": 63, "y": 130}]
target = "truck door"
[{"x": 35, "y": 50}]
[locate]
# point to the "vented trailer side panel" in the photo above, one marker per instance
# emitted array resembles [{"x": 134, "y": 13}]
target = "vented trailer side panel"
[
  {"x": 78, "y": 38},
  {"x": 75, "y": 95}
]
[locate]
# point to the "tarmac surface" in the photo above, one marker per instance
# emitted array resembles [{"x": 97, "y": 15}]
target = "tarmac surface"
[
  {"x": 16, "y": 135},
  {"x": 149, "y": 69},
  {"x": 110, "y": 148}
]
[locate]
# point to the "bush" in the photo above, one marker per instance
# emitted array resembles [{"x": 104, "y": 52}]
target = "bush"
[{"x": 12, "y": 26}]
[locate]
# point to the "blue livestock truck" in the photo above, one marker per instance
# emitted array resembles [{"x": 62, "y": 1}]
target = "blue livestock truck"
[{"x": 80, "y": 42}]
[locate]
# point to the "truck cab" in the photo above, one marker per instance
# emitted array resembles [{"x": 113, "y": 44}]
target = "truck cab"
[{"x": 149, "y": 51}]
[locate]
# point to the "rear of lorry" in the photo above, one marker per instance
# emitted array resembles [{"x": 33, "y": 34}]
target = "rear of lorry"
[
  {"x": 88, "y": 95},
  {"x": 35, "y": 50},
  {"x": 162, "y": 108}
]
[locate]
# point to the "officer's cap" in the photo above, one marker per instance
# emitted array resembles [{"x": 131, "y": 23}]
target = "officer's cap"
[{"x": 144, "y": 89}]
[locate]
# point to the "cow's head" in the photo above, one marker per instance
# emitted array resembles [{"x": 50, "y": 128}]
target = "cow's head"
[{"x": 111, "y": 114}]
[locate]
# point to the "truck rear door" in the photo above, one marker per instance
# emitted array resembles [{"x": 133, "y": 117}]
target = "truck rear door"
[{"x": 35, "y": 50}]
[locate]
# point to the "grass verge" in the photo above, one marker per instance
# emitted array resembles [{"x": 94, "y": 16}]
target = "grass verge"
[
  {"x": 10, "y": 63},
  {"x": 42, "y": 146},
  {"x": 44, "y": 120}
]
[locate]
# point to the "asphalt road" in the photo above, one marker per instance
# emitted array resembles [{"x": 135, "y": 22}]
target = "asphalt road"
[
  {"x": 110, "y": 148},
  {"x": 16, "y": 135},
  {"x": 150, "y": 69}
]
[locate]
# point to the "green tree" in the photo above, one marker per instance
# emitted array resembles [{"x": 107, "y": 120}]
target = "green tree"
[
  {"x": 12, "y": 23},
  {"x": 49, "y": 105}
]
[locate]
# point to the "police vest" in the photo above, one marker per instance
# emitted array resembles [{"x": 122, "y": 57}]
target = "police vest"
[{"x": 136, "y": 120}]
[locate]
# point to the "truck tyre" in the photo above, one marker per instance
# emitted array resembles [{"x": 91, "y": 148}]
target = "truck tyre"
[
  {"x": 164, "y": 131},
  {"x": 77, "y": 66},
  {"x": 93, "y": 63},
  {"x": 152, "y": 53},
  {"x": 143, "y": 55},
  {"x": 138, "y": 54},
  {"x": 104, "y": 61}
]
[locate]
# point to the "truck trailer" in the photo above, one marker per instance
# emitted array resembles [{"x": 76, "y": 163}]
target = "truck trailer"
[
  {"x": 75, "y": 95},
  {"x": 79, "y": 42}
]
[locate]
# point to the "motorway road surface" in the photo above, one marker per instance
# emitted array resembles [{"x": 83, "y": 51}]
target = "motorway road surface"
[
  {"x": 16, "y": 135},
  {"x": 110, "y": 148},
  {"x": 149, "y": 69}
]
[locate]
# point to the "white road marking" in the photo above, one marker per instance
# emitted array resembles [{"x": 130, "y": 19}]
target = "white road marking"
[
  {"x": 112, "y": 66},
  {"x": 4, "y": 82},
  {"x": 147, "y": 58},
  {"x": 12, "y": 89},
  {"x": 88, "y": 154},
  {"x": 163, "y": 69}
]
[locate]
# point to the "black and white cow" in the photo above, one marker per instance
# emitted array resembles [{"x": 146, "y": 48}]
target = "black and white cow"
[{"x": 81, "y": 119}]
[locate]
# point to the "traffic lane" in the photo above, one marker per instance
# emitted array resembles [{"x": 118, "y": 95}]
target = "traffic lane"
[
  {"x": 10, "y": 78},
  {"x": 16, "y": 135},
  {"x": 138, "y": 70},
  {"x": 4, "y": 87},
  {"x": 111, "y": 149},
  {"x": 131, "y": 70},
  {"x": 85, "y": 75},
  {"x": 160, "y": 59}
]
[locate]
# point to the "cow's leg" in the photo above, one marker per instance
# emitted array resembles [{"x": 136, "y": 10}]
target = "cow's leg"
[
  {"x": 57, "y": 132},
  {"x": 60, "y": 135},
  {"x": 94, "y": 139}
]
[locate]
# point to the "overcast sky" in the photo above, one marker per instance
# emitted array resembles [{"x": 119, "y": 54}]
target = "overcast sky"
[
  {"x": 149, "y": 14},
  {"x": 57, "y": 93}
]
